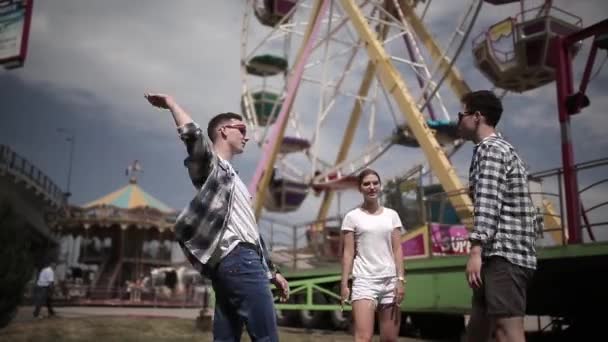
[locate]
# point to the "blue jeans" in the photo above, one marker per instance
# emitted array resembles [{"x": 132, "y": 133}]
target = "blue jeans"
[{"x": 243, "y": 297}]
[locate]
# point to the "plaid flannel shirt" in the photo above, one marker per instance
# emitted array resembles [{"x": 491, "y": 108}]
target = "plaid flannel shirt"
[
  {"x": 506, "y": 222},
  {"x": 201, "y": 224}
]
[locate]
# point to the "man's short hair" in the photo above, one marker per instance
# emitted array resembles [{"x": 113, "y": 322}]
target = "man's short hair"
[
  {"x": 486, "y": 102},
  {"x": 219, "y": 119}
]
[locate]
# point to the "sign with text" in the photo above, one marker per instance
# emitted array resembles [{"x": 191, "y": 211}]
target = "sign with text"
[
  {"x": 449, "y": 239},
  {"x": 15, "y": 19}
]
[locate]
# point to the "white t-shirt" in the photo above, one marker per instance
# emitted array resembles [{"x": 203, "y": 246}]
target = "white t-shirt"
[
  {"x": 242, "y": 226},
  {"x": 373, "y": 248},
  {"x": 46, "y": 277}
]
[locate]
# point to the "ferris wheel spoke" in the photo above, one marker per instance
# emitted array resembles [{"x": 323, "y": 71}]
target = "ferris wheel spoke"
[
  {"x": 443, "y": 62},
  {"x": 372, "y": 118},
  {"x": 338, "y": 27},
  {"x": 408, "y": 62},
  {"x": 426, "y": 8},
  {"x": 389, "y": 102},
  {"x": 334, "y": 56},
  {"x": 420, "y": 67},
  {"x": 350, "y": 167}
]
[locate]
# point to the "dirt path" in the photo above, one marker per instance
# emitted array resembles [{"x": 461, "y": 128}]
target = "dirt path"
[{"x": 106, "y": 323}]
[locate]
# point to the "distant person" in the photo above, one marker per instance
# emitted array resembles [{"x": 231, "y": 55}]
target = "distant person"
[
  {"x": 372, "y": 252},
  {"x": 218, "y": 231},
  {"x": 43, "y": 292},
  {"x": 502, "y": 259}
]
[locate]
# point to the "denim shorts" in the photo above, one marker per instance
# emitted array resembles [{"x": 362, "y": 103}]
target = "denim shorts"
[{"x": 379, "y": 290}]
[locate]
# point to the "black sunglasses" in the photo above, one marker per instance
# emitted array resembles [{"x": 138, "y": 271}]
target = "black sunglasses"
[{"x": 463, "y": 114}]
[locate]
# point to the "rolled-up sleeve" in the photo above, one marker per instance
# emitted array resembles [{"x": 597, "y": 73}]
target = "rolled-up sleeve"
[
  {"x": 489, "y": 192},
  {"x": 200, "y": 155}
]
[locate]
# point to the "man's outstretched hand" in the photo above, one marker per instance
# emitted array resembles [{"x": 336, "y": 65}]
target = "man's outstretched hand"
[{"x": 159, "y": 100}]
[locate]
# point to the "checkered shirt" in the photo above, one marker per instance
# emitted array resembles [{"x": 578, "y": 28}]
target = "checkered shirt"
[
  {"x": 506, "y": 222},
  {"x": 200, "y": 225}
]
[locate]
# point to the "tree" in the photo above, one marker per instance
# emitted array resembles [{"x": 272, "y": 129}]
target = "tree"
[{"x": 16, "y": 262}]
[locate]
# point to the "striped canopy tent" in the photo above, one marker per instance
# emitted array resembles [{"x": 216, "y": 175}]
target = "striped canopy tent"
[
  {"x": 129, "y": 197},
  {"x": 125, "y": 207}
]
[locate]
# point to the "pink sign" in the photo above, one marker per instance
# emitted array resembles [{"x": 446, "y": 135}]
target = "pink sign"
[
  {"x": 413, "y": 246},
  {"x": 449, "y": 239}
]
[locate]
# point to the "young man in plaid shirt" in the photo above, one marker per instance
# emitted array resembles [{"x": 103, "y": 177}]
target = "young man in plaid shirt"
[
  {"x": 506, "y": 223},
  {"x": 218, "y": 231}
]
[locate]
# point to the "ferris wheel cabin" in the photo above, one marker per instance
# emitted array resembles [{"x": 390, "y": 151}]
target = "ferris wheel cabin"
[
  {"x": 271, "y": 12},
  {"x": 294, "y": 144},
  {"x": 266, "y": 65},
  {"x": 285, "y": 195},
  {"x": 516, "y": 53},
  {"x": 265, "y": 104},
  {"x": 445, "y": 131}
]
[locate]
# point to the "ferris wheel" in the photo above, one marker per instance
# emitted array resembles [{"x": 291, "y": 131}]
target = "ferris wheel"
[{"x": 330, "y": 86}]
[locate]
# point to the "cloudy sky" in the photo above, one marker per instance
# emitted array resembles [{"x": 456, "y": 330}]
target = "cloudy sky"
[{"x": 90, "y": 61}]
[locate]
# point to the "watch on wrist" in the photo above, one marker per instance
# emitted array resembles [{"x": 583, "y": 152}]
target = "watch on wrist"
[{"x": 402, "y": 279}]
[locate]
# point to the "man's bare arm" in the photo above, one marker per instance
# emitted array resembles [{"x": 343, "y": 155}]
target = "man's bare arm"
[{"x": 180, "y": 116}]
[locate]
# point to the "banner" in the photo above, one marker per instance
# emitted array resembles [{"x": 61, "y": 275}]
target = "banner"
[
  {"x": 15, "y": 19},
  {"x": 449, "y": 239}
]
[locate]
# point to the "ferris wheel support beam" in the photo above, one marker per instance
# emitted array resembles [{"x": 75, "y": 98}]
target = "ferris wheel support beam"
[
  {"x": 392, "y": 82},
  {"x": 349, "y": 134},
  {"x": 351, "y": 127},
  {"x": 260, "y": 181},
  {"x": 454, "y": 78}
]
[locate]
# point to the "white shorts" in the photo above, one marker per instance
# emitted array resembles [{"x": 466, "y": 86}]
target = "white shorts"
[{"x": 379, "y": 290}]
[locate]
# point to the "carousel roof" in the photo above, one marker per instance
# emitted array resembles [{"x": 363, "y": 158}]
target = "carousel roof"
[{"x": 129, "y": 197}]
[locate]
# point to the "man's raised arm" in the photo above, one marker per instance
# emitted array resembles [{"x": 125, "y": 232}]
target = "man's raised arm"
[
  {"x": 166, "y": 102},
  {"x": 200, "y": 156}
]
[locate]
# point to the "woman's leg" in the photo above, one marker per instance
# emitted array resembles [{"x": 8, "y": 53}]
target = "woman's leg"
[
  {"x": 389, "y": 317},
  {"x": 364, "y": 314},
  {"x": 389, "y": 311}
]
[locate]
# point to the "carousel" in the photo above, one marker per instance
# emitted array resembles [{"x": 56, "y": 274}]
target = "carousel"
[{"x": 121, "y": 247}]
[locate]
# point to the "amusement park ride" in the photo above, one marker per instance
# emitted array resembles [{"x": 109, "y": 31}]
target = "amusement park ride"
[{"x": 306, "y": 64}]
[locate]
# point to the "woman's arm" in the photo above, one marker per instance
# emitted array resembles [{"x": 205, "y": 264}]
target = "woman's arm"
[
  {"x": 399, "y": 266},
  {"x": 397, "y": 252},
  {"x": 348, "y": 256}
]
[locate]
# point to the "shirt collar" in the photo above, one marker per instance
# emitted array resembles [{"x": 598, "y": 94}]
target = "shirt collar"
[
  {"x": 486, "y": 138},
  {"x": 226, "y": 164}
]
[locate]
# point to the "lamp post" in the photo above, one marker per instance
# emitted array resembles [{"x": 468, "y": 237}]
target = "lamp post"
[{"x": 71, "y": 139}]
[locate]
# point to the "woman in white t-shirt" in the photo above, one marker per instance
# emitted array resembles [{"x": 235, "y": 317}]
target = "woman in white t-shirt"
[{"x": 372, "y": 252}]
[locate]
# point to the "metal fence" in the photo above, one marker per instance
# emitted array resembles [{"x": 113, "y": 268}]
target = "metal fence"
[{"x": 24, "y": 171}]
